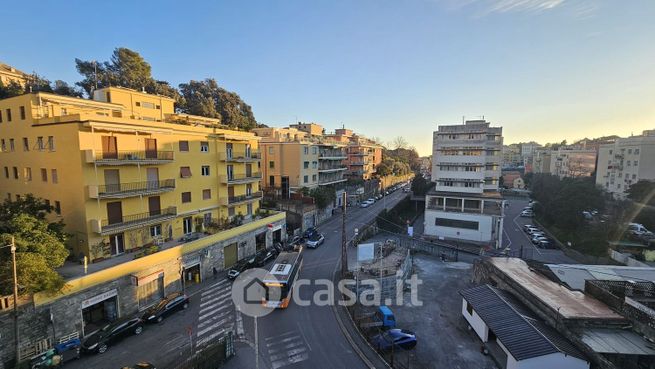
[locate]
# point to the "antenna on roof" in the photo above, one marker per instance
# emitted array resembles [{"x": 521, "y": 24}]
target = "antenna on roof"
[{"x": 95, "y": 72}]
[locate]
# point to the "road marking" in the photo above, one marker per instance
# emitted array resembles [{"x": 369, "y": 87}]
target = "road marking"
[
  {"x": 279, "y": 335},
  {"x": 213, "y": 287},
  {"x": 213, "y": 326},
  {"x": 214, "y": 318},
  {"x": 220, "y": 292},
  {"x": 286, "y": 349},
  {"x": 225, "y": 305},
  {"x": 240, "y": 330},
  {"x": 210, "y": 337},
  {"x": 215, "y": 298},
  {"x": 526, "y": 236}
]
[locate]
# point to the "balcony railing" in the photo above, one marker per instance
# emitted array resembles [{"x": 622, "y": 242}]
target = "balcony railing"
[
  {"x": 489, "y": 209},
  {"x": 241, "y": 178},
  {"x": 234, "y": 200},
  {"x": 331, "y": 169},
  {"x": 129, "y": 157},
  {"x": 240, "y": 156},
  {"x": 332, "y": 155},
  {"x": 122, "y": 190},
  {"x": 127, "y": 222}
]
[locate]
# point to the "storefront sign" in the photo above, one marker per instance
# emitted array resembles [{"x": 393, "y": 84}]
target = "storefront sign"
[
  {"x": 277, "y": 227},
  {"x": 96, "y": 299},
  {"x": 191, "y": 261}
]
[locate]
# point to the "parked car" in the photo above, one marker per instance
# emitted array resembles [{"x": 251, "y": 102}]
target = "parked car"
[
  {"x": 364, "y": 204},
  {"x": 537, "y": 233},
  {"x": 309, "y": 232},
  {"x": 240, "y": 267},
  {"x": 112, "y": 333},
  {"x": 315, "y": 241},
  {"x": 264, "y": 256},
  {"x": 141, "y": 365},
  {"x": 168, "y": 305},
  {"x": 546, "y": 244},
  {"x": 527, "y": 214},
  {"x": 529, "y": 227},
  {"x": 396, "y": 338},
  {"x": 537, "y": 240}
]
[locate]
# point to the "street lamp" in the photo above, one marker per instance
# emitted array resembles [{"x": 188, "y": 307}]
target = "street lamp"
[{"x": 12, "y": 247}]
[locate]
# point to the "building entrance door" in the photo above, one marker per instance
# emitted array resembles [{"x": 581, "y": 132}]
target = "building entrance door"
[
  {"x": 151, "y": 148},
  {"x": 154, "y": 205},
  {"x": 117, "y": 244}
]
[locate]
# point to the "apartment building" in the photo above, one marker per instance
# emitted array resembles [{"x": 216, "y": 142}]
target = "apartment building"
[
  {"x": 466, "y": 204},
  {"x": 541, "y": 161},
  {"x": 573, "y": 162},
  {"x": 364, "y": 155},
  {"x": 625, "y": 162},
  {"x": 10, "y": 74},
  {"x": 300, "y": 156},
  {"x": 511, "y": 156},
  {"x": 124, "y": 169}
]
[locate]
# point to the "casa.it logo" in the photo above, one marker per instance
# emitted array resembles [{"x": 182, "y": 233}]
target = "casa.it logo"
[{"x": 250, "y": 295}]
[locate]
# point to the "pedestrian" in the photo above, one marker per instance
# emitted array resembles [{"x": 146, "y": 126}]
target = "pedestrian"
[{"x": 215, "y": 272}]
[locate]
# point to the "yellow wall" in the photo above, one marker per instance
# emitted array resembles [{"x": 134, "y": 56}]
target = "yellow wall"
[{"x": 289, "y": 159}]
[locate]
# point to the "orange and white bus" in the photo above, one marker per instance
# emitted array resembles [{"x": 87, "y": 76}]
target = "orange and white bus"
[{"x": 279, "y": 280}]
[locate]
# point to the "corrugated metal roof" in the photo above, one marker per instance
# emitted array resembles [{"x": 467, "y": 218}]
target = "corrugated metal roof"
[
  {"x": 515, "y": 327},
  {"x": 575, "y": 275},
  {"x": 617, "y": 341}
]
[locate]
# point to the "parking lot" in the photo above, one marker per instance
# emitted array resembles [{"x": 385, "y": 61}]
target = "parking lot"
[{"x": 444, "y": 340}]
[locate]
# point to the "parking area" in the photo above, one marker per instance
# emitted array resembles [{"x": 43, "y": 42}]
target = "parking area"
[{"x": 444, "y": 340}]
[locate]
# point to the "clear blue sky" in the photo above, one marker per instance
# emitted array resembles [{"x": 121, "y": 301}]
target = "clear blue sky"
[{"x": 545, "y": 70}]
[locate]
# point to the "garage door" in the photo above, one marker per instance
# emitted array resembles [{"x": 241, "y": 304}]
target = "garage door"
[{"x": 230, "y": 253}]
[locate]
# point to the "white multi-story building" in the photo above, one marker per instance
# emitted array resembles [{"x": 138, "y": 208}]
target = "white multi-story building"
[
  {"x": 466, "y": 204},
  {"x": 573, "y": 163},
  {"x": 626, "y": 161}
]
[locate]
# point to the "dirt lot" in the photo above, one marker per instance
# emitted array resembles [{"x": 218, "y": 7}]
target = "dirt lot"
[{"x": 444, "y": 340}]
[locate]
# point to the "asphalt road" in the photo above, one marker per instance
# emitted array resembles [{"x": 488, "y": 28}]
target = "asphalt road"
[
  {"x": 310, "y": 337},
  {"x": 296, "y": 337},
  {"x": 518, "y": 241}
]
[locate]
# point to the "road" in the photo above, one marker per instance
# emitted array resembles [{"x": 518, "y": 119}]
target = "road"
[
  {"x": 310, "y": 337},
  {"x": 297, "y": 337},
  {"x": 514, "y": 237}
]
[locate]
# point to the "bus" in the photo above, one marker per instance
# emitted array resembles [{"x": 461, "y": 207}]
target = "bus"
[{"x": 280, "y": 278}]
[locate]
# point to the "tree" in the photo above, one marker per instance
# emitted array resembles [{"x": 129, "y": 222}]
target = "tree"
[
  {"x": 10, "y": 90},
  {"x": 420, "y": 186},
  {"x": 62, "y": 88},
  {"x": 642, "y": 192},
  {"x": 40, "y": 246},
  {"x": 323, "y": 196},
  {"x": 399, "y": 143},
  {"x": 208, "y": 99},
  {"x": 37, "y": 83}
]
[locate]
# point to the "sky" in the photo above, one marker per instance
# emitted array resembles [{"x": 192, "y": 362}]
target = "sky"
[{"x": 544, "y": 70}]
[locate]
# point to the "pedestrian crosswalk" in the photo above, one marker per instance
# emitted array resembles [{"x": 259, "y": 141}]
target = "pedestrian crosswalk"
[
  {"x": 286, "y": 349},
  {"x": 217, "y": 314}
]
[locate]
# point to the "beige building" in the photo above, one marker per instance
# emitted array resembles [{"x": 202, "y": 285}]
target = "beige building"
[
  {"x": 573, "y": 163},
  {"x": 541, "y": 161},
  {"x": 625, "y": 162},
  {"x": 9, "y": 74}
]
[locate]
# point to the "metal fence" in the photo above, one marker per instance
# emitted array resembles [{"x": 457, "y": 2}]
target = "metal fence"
[{"x": 209, "y": 356}]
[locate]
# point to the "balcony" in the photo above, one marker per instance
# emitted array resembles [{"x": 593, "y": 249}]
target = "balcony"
[
  {"x": 241, "y": 199},
  {"x": 358, "y": 153},
  {"x": 331, "y": 170},
  {"x": 241, "y": 178},
  {"x": 129, "y": 157},
  {"x": 332, "y": 155},
  {"x": 134, "y": 221},
  {"x": 327, "y": 182},
  {"x": 240, "y": 156},
  {"x": 131, "y": 189}
]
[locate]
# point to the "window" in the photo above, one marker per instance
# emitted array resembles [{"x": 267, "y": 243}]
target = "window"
[
  {"x": 230, "y": 172},
  {"x": 271, "y": 164},
  {"x": 3, "y": 145},
  {"x": 155, "y": 231},
  {"x": 51, "y": 143},
  {"x": 39, "y": 143},
  {"x": 186, "y": 197},
  {"x": 636, "y": 150},
  {"x": 635, "y": 163},
  {"x": 26, "y": 144},
  {"x": 270, "y": 149},
  {"x": 148, "y": 105},
  {"x": 17, "y": 197},
  {"x": 47, "y": 202},
  {"x": 27, "y": 172},
  {"x": 138, "y": 103},
  {"x": 8, "y": 115},
  {"x": 6, "y": 172},
  {"x": 456, "y": 223},
  {"x": 184, "y": 146},
  {"x": 305, "y": 179},
  {"x": 53, "y": 176},
  {"x": 313, "y": 177},
  {"x": 22, "y": 112},
  {"x": 204, "y": 170},
  {"x": 469, "y": 308},
  {"x": 185, "y": 172},
  {"x": 306, "y": 165},
  {"x": 271, "y": 181},
  {"x": 231, "y": 211},
  {"x": 249, "y": 209},
  {"x": 306, "y": 150},
  {"x": 206, "y": 194},
  {"x": 0, "y": 116},
  {"x": 15, "y": 173},
  {"x": 204, "y": 146},
  {"x": 58, "y": 207},
  {"x": 314, "y": 164},
  {"x": 314, "y": 150},
  {"x": 44, "y": 174},
  {"x": 12, "y": 147}
]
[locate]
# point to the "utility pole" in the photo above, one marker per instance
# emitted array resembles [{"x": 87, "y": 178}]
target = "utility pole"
[
  {"x": 13, "y": 261},
  {"x": 344, "y": 252}
]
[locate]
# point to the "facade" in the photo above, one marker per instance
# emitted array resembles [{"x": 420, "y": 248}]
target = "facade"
[
  {"x": 541, "y": 161},
  {"x": 513, "y": 180},
  {"x": 466, "y": 204},
  {"x": 10, "y": 74},
  {"x": 511, "y": 156},
  {"x": 625, "y": 162},
  {"x": 573, "y": 163},
  {"x": 363, "y": 155},
  {"x": 123, "y": 169},
  {"x": 527, "y": 150}
]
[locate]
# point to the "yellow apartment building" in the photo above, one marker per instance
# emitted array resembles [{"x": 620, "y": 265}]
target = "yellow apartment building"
[
  {"x": 9, "y": 74},
  {"x": 124, "y": 170}
]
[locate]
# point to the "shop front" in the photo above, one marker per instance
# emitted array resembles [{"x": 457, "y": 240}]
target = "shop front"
[
  {"x": 99, "y": 310},
  {"x": 191, "y": 270},
  {"x": 150, "y": 288}
]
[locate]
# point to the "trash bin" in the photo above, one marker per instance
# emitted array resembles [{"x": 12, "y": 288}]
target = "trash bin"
[{"x": 69, "y": 349}]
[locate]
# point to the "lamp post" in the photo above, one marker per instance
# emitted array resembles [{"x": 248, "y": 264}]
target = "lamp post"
[{"x": 12, "y": 247}]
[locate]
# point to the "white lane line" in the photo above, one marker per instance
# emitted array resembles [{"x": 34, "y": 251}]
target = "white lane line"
[
  {"x": 288, "y": 354},
  {"x": 213, "y": 312},
  {"x": 214, "y": 318},
  {"x": 281, "y": 335},
  {"x": 215, "y": 304},
  {"x": 239, "y": 318},
  {"x": 214, "y": 298},
  {"x": 291, "y": 360},
  {"x": 220, "y": 293},
  {"x": 213, "y": 326},
  {"x": 282, "y": 341},
  {"x": 210, "y": 337},
  {"x": 213, "y": 287},
  {"x": 286, "y": 347}
]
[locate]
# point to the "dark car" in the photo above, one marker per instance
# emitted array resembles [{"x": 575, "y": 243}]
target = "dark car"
[
  {"x": 240, "y": 267},
  {"x": 264, "y": 256},
  {"x": 310, "y": 232},
  {"x": 99, "y": 341},
  {"x": 396, "y": 338},
  {"x": 167, "y": 306}
]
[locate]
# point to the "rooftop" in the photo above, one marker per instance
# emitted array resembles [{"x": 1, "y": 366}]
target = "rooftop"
[
  {"x": 517, "y": 329},
  {"x": 575, "y": 275},
  {"x": 569, "y": 304}
]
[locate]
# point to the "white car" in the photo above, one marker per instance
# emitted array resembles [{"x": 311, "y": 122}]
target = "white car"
[
  {"x": 364, "y": 204},
  {"x": 527, "y": 214}
]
